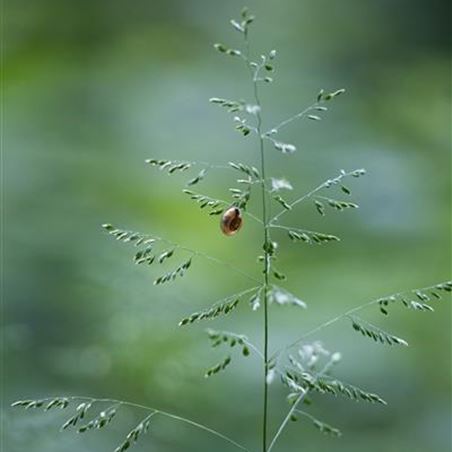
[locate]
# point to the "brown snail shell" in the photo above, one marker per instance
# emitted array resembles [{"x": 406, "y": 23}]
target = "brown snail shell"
[{"x": 231, "y": 221}]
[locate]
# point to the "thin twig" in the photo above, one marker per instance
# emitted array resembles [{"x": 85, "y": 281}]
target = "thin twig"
[
  {"x": 246, "y": 341},
  {"x": 299, "y": 115},
  {"x": 236, "y": 295},
  {"x": 287, "y": 419},
  {"x": 324, "y": 184},
  {"x": 289, "y": 228},
  {"x": 208, "y": 257},
  {"x": 258, "y": 220},
  {"x": 295, "y": 404},
  {"x": 158, "y": 411},
  {"x": 345, "y": 315}
]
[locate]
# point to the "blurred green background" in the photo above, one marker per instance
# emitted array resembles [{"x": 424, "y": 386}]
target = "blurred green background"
[{"x": 93, "y": 88}]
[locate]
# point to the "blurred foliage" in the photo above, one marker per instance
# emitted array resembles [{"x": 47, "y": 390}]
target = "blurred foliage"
[{"x": 93, "y": 88}]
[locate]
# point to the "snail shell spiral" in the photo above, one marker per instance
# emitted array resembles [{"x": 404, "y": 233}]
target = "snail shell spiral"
[{"x": 231, "y": 221}]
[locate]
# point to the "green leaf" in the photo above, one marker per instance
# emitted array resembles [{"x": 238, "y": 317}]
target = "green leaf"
[
  {"x": 446, "y": 286},
  {"x": 281, "y": 201},
  {"x": 312, "y": 237},
  {"x": 250, "y": 171},
  {"x": 197, "y": 178},
  {"x": 125, "y": 236},
  {"x": 333, "y": 94},
  {"x": 359, "y": 172},
  {"x": 299, "y": 236},
  {"x": 420, "y": 306},
  {"x": 215, "y": 206},
  {"x": 244, "y": 129},
  {"x": 173, "y": 274},
  {"x": 255, "y": 301},
  {"x": 341, "y": 205},
  {"x": 320, "y": 95},
  {"x": 232, "y": 106},
  {"x": 169, "y": 166},
  {"x": 278, "y": 275},
  {"x": 218, "y": 367},
  {"x": 100, "y": 421},
  {"x": 135, "y": 434},
  {"x": 223, "y": 308},
  {"x": 327, "y": 429},
  {"x": 145, "y": 256},
  {"x": 237, "y": 26},
  {"x": 270, "y": 247},
  {"x": 81, "y": 411},
  {"x": 375, "y": 333},
  {"x": 218, "y": 338},
  {"x": 306, "y": 381},
  {"x": 320, "y": 207},
  {"x": 242, "y": 197},
  {"x": 345, "y": 189},
  {"x": 165, "y": 255},
  {"x": 220, "y": 47},
  {"x": 424, "y": 295}
]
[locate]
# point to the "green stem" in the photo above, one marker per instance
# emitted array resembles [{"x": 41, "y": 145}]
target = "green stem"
[
  {"x": 266, "y": 225},
  {"x": 266, "y": 272},
  {"x": 266, "y": 263}
]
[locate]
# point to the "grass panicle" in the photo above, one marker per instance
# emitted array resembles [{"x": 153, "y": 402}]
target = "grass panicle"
[{"x": 304, "y": 368}]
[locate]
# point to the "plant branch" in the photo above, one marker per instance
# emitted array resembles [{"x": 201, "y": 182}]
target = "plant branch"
[
  {"x": 295, "y": 405},
  {"x": 284, "y": 123},
  {"x": 288, "y": 228},
  {"x": 287, "y": 419},
  {"x": 208, "y": 257},
  {"x": 323, "y": 185},
  {"x": 346, "y": 315},
  {"x": 226, "y": 264},
  {"x": 156, "y": 411},
  {"x": 246, "y": 341}
]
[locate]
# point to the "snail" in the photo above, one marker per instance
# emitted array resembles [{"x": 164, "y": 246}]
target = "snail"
[{"x": 231, "y": 221}]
